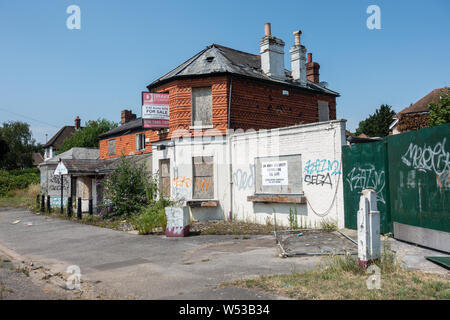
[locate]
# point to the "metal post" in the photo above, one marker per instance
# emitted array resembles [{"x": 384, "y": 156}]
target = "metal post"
[
  {"x": 79, "y": 214},
  {"x": 69, "y": 207},
  {"x": 62, "y": 203},
  {"x": 91, "y": 209},
  {"x": 37, "y": 200},
  {"x": 368, "y": 228},
  {"x": 42, "y": 203},
  {"x": 48, "y": 204}
]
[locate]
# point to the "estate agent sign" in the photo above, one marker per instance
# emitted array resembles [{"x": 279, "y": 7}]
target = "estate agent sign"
[{"x": 155, "y": 110}]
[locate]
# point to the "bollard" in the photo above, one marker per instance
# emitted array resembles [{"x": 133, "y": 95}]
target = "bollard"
[
  {"x": 91, "y": 208},
  {"x": 368, "y": 223},
  {"x": 79, "y": 214},
  {"x": 42, "y": 203},
  {"x": 48, "y": 204},
  {"x": 69, "y": 206},
  {"x": 37, "y": 200}
]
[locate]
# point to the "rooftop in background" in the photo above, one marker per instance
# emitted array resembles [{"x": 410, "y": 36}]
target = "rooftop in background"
[
  {"x": 422, "y": 104},
  {"x": 217, "y": 59}
]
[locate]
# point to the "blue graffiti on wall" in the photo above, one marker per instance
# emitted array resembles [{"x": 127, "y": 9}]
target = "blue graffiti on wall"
[{"x": 322, "y": 166}]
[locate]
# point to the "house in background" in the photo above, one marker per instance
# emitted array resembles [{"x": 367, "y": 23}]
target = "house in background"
[
  {"x": 416, "y": 116},
  {"x": 56, "y": 142},
  {"x": 37, "y": 159}
]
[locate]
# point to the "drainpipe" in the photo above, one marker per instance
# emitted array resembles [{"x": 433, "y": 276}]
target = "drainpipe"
[{"x": 230, "y": 213}]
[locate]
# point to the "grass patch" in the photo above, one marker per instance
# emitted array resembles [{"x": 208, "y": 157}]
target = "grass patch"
[
  {"x": 24, "y": 198},
  {"x": 340, "y": 277}
]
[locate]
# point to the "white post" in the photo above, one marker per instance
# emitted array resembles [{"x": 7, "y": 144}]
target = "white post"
[
  {"x": 368, "y": 228},
  {"x": 178, "y": 220}
]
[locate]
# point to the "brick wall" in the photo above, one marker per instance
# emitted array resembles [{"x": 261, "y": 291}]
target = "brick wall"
[
  {"x": 254, "y": 104},
  {"x": 126, "y": 144}
]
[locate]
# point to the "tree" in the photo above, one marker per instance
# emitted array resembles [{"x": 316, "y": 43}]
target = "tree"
[
  {"x": 19, "y": 145},
  {"x": 377, "y": 124},
  {"x": 87, "y": 137},
  {"x": 440, "y": 112}
]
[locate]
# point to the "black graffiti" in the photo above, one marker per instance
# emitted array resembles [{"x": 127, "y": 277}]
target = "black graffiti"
[{"x": 318, "y": 179}]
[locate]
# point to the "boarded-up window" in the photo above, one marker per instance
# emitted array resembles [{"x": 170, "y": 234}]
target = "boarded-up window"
[
  {"x": 201, "y": 99},
  {"x": 164, "y": 177},
  {"x": 203, "y": 172},
  {"x": 278, "y": 175},
  {"x": 140, "y": 141},
  {"x": 111, "y": 147},
  {"x": 324, "y": 111}
]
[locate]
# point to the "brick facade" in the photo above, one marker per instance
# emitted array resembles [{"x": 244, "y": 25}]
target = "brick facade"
[{"x": 126, "y": 144}]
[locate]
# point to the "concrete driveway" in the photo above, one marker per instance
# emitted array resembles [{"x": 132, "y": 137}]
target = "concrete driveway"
[{"x": 146, "y": 267}]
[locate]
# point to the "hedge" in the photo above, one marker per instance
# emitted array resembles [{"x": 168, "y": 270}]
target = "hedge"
[{"x": 17, "y": 179}]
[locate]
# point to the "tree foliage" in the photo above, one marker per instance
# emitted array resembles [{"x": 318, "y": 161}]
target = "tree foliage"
[
  {"x": 440, "y": 112},
  {"x": 87, "y": 137},
  {"x": 17, "y": 146},
  {"x": 127, "y": 189},
  {"x": 377, "y": 124}
]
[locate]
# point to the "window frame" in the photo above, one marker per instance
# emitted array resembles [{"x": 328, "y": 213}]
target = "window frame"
[
  {"x": 194, "y": 122},
  {"x": 111, "y": 152},
  {"x": 140, "y": 141}
]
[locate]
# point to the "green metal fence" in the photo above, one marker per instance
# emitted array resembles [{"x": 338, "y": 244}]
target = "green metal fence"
[
  {"x": 411, "y": 174},
  {"x": 365, "y": 167}
]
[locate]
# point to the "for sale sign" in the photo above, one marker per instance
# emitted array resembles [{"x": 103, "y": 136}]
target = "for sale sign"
[{"x": 155, "y": 110}]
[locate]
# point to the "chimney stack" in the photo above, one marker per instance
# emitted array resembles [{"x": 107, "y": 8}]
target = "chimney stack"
[
  {"x": 312, "y": 70},
  {"x": 272, "y": 54},
  {"x": 127, "y": 116},
  {"x": 298, "y": 59},
  {"x": 77, "y": 123}
]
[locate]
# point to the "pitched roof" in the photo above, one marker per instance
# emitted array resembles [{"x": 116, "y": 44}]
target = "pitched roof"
[
  {"x": 37, "y": 158},
  {"x": 57, "y": 140},
  {"x": 216, "y": 59},
  {"x": 128, "y": 126},
  {"x": 422, "y": 104}
]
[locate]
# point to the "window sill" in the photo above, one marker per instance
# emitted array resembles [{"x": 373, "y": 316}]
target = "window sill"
[
  {"x": 277, "y": 199},
  {"x": 202, "y": 203},
  {"x": 209, "y": 126}
]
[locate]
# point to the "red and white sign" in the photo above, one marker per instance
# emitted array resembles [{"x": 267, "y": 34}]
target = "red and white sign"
[{"x": 155, "y": 110}]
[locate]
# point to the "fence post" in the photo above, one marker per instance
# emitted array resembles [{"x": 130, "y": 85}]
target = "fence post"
[
  {"x": 48, "y": 204},
  {"x": 79, "y": 214},
  {"x": 69, "y": 206},
  {"x": 37, "y": 200},
  {"x": 368, "y": 228},
  {"x": 42, "y": 203},
  {"x": 91, "y": 209}
]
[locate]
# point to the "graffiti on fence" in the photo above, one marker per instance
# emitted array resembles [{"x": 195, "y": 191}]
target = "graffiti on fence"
[
  {"x": 244, "y": 179},
  {"x": 428, "y": 158},
  {"x": 366, "y": 177}
]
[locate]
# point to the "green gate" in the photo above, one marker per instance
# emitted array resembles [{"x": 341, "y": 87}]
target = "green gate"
[
  {"x": 365, "y": 167},
  {"x": 419, "y": 166}
]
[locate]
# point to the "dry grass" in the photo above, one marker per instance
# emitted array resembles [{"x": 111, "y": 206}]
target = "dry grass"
[
  {"x": 25, "y": 198},
  {"x": 341, "y": 278},
  {"x": 221, "y": 227}
]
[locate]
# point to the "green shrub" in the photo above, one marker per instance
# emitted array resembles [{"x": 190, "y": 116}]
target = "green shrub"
[
  {"x": 127, "y": 189},
  {"x": 152, "y": 216},
  {"x": 17, "y": 180}
]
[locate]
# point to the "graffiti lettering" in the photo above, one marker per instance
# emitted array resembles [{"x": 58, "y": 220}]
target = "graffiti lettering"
[
  {"x": 203, "y": 184},
  {"x": 242, "y": 179},
  {"x": 366, "y": 177},
  {"x": 318, "y": 179},
  {"x": 428, "y": 158},
  {"x": 182, "y": 182},
  {"x": 322, "y": 166}
]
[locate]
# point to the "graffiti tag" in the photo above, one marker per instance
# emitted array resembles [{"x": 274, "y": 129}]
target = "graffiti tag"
[
  {"x": 428, "y": 158},
  {"x": 366, "y": 177},
  {"x": 318, "y": 179},
  {"x": 322, "y": 166},
  {"x": 243, "y": 179}
]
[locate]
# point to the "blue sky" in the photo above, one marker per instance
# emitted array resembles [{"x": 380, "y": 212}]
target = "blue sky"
[{"x": 50, "y": 74}]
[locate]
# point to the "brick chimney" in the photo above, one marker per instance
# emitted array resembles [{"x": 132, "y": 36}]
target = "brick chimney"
[
  {"x": 272, "y": 54},
  {"x": 298, "y": 59},
  {"x": 77, "y": 123},
  {"x": 312, "y": 70},
  {"x": 127, "y": 116}
]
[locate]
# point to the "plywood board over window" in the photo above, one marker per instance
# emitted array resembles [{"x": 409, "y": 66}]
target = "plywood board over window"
[
  {"x": 164, "y": 177},
  {"x": 112, "y": 147},
  {"x": 324, "y": 111},
  {"x": 203, "y": 173},
  {"x": 201, "y": 101}
]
